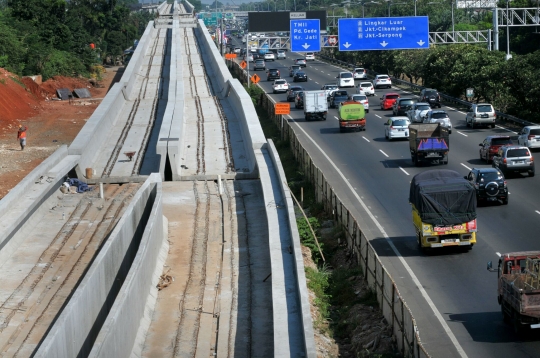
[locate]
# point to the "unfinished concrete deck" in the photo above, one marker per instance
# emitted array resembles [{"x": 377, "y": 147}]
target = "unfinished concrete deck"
[
  {"x": 217, "y": 301},
  {"x": 48, "y": 257}
]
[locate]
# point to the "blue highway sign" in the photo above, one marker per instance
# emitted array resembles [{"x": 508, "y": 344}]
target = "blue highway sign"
[
  {"x": 383, "y": 33},
  {"x": 305, "y": 35}
]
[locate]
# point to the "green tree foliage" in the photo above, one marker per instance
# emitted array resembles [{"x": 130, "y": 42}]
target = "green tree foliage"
[{"x": 53, "y": 37}]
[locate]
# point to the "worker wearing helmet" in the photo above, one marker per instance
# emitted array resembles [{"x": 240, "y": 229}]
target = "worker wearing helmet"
[{"x": 21, "y": 136}]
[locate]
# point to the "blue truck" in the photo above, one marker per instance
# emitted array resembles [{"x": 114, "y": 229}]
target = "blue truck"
[{"x": 428, "y": 142}]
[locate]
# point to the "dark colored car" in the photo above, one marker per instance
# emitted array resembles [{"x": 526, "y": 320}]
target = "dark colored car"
[
  {"x": 300, "y": 76},
  {"x": 338, "y": 97},
  {"x": 272, "y": 74},
  {"x": 489, "y": 183},
  {"x": 401, "y": 106},
  {"x": 291, "y": 93},
  {"x": 431, "y": 96},
  {"x": 514, "y": 159},
  {"x": 490, "y": 146},
  {"x": 299, "y": 100},
  {"x": 293, "y": 69}
]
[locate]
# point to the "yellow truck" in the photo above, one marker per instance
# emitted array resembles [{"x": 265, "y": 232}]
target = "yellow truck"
[{"x": 443, "y": 209}]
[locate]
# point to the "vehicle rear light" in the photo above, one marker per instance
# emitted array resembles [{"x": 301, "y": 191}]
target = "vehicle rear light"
[
  {"x": 364, "y": 71},
  {"x": 494, "y": 114},
  {"x": 391, "y": 127},
  {"x": 532, "y": 159},
  {"x": 504, "y": 183},
  {"x": 504, "y": 160},
  {"x": 492, "y": 149},
  {"x": 530, "y": 137}
]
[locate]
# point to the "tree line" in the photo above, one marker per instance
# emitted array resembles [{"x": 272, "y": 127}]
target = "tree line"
[
  {"x": 54, "y": 37},
  {"x": 512, "y": 86}
]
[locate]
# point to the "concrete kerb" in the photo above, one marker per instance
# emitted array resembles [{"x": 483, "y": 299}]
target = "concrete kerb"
[
  {"x": 72, "y": 332},
  {"x": 133, "y": 307},
  {"x": 309, "y": 338},
  {"x": 174, "y": 148},
  {"x": 188, "y": 6},
  {"x": 95, "y": 132}
]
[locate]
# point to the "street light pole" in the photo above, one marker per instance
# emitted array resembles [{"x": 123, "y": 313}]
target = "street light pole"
[
  {"x": 415, "y": 9},
  {"x": 508, "y": 55},
  {"x": 453, "y": 30}
]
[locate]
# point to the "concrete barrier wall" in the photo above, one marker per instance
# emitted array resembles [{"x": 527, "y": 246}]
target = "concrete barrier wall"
[
  {"x": 214, "y": 63},
  {"x": 90, "y": 139},
  {"x": 189, "y": 8},
  {"x": 165, "y": 129},
  {"x": 79, "y": 322},
  {"x": 129, "y": 78},
  {"x": 175, "y": 147},
  {"x": 307, "y": 322},
  {"x": 162, "y": 6},
  {"x": 247, "y": 116},
  {"x": 119, "y": 332}
]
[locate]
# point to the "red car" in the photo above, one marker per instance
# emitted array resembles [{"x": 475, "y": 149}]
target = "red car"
[
  {"x": 490, "y": 146},
  {"x": 388, "y": 100}
]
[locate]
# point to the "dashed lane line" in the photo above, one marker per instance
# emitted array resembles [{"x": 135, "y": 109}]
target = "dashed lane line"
[
  {"x": 463, "y": 134},
  {"x": 465, "y": 166},
  {"x": 403, "y": 170},
  {"x": 415, "y": 279},
  {"x": 378, "y": 116},
  {"x": 367, "y": 140},
  {"x": 506, "y": 129},
  {"x": 336, "y": 118},
  {"x": 536, "y": 211},
  {"x": 386, "y": 155}
]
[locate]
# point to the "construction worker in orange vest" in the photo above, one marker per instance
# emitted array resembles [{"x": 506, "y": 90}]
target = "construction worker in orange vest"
[{"x": 21, "y": 136}]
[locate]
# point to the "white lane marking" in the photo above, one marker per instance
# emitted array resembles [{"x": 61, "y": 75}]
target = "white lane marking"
[
  {"x": 336, "y": 118},
  {"x": 536, "y": 211},
  {"x": 421, "y": 289},
  {"x": 506, "y": 129},
  {"x": 459, "y": 111},
  {"x": 463, "y": 134},
  {"x": 403, "y": 170},
  {"x": 378, "y": 116},
  {"x": 367, "y": 140},
  {"x": 316, "y": 82},
  {"x": 465, "y": 166},
  {"x": 386, "y": 155}
]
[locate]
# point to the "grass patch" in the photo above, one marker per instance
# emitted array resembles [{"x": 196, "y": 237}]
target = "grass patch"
[
  {"x": 318, "y": 283},
  {"x": 17, "y": 80}
]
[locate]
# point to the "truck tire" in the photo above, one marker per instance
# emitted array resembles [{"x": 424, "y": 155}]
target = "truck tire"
[
  {"x": 415, "y": 160},
  {"x": 307, "y": 118}
]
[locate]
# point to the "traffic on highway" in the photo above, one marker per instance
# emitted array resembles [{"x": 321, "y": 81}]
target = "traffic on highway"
[{"x": 452, "y": 296}]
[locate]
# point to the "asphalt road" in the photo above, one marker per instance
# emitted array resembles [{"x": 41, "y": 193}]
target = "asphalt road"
[{"x": 451, "y": 294}]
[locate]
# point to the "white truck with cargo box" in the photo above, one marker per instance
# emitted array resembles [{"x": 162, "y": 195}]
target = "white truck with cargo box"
[{"x": 315, "y": 105}]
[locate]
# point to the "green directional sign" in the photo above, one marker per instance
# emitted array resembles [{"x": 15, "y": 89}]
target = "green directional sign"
[{"x": 210, "y": 21}]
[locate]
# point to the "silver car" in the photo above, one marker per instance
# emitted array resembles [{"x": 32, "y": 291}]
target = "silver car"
[
  {"x": 281, "y": 55},
  {"x": 439, "y": 116},
  {"x": 396, "y": 127},
  {"x": 514, "y": 158},
  {"x": 418, "y": 111},
  {"x": 529, "y": 137},
  {"x": 481, "y": 114}
]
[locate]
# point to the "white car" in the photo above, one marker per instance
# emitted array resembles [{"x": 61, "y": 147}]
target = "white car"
[
  {"x": 418, "y": 111},
  {"x": 382, "y": 81},
  {"x": 269, "y": 56},
  {"x": 329, "y": 88},
  {"x": 366, "y": 88},
  {"x": 362, "y": 98},
  {"x": 529, "y": 137},
  {"x": 439, "y": 116},
  {"x": 280, "y": 86},
  {"x": 345, "y": 79},
  {"x": 248, "y": 58},
  {"x": 396, "y": 127},
  {"x": 359, "y": 73},
  {"x": 281, "y": 55},
  {"x": 310, "y": 56},
  {"x": 253, "y": 48},
  {"x": 237, "y": 50}
]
